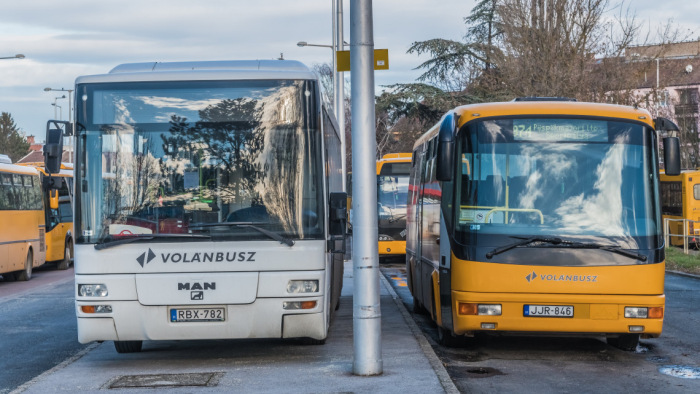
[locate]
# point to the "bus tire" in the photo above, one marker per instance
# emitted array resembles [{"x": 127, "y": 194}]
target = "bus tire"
[
  {"x": 26, "y": 273},
  {"x": 65, "y": 263},
  {"x": 312, "y": 341},
  {"x": 627, "y": 342},
  {"x": 418, "y": 308},
  {"x": 128, "y": 346},
  {"x": 447, "y": 339}
]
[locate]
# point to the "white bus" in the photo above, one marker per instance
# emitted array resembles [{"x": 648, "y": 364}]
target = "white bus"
[{"x": 223, "y": 215}]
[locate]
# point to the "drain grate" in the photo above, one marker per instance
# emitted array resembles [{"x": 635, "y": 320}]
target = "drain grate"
[
  {"x": 203, "y": 379},
  {"x": 681, "y": 371},
  {"x": 471, "y": 372}
]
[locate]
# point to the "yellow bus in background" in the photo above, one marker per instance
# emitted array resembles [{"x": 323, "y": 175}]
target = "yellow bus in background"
[
  {"x": 392, "y": 193},
  {"x": 22, "y": 222},
  {"x": 58, "y": 208},
  {"x": 680, "y": 199},
  {"x": 539, "y": 216}
]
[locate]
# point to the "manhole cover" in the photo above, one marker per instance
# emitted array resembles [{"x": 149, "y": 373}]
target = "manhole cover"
[
  {"x": 204, "y": 379},
  {"x": 681, "y": 371}
]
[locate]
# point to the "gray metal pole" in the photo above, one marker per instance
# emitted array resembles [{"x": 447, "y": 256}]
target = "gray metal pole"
[
  {"x": 367, "y": 315},
  {"x": 339, "y": 82}
]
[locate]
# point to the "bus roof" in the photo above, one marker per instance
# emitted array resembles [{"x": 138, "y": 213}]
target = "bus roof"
[
  {"x": 203, "y": 71},
  {"x": 18, "y": 169},
  {"x": 397, "y": 156},
  {"x": 550, "y": 108},
  {"x": 467, "y": 113},
  {"x": 66, "y": 168}
]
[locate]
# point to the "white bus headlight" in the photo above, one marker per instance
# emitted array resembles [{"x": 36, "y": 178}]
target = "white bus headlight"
[
  {"x": 302, "y": 286},
  {"x": 92, "y": 290}
]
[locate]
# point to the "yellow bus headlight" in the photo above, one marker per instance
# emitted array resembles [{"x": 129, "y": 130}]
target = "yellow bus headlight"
[
  {"x": 633, "y": 312},
  {"x": 479, "y": 309}
]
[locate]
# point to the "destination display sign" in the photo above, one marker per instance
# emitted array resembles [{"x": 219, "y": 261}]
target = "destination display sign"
[{"x": 583, "y": 130}]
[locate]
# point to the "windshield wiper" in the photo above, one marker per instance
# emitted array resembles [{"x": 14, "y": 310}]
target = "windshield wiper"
[
  {"x": 104, "y": 244},
  {"x": 609, "y": 248},
  {"x": 275, "y": 236},
  {"x": 559, "y": 243},
  {"x": 526, "y": 241}
]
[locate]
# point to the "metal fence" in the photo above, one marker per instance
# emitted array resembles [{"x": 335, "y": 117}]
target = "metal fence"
[{"x": 686, "y": 234}]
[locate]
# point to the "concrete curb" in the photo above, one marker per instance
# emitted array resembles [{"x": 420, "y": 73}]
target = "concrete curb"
[
  {"x": 444, "y": 378},
  {"x": 58, "y": 367},
  {"x": 679, "y": 273}
]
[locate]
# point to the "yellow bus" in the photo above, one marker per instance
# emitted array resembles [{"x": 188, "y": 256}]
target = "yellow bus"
[
  {"x": 541, "y": 217},
  {"x": 680, "y": 199},
  {"x": 58, "y": 209},
  {"x": 22, "y": 225},
  {"x": 392, "y": 191}
]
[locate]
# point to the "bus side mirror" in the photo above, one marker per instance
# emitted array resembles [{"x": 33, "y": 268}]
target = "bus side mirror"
[
  {"x": 672, "y": 156},
  {"x": 53, "y": 149},
  {"x": 53, "y": 199},
  {"x": 445, "y": 148},
  {"x": 672, "y": 146},
  {"x": 338, "y": 214}
]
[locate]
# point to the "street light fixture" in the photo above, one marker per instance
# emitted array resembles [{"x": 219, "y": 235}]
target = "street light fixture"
[
  {"x": 17, "y": 56},
  {"x": 306, "y": 44}
]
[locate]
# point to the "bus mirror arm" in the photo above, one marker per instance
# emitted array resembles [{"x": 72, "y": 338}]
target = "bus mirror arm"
[{"x": 445, "y": 148}]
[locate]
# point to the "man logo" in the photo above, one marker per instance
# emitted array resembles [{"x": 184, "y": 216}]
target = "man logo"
[
  {"x": 197, "y": 295},
  {"x": 143, "y": 257},
  {"x": 531, "y": 277}
]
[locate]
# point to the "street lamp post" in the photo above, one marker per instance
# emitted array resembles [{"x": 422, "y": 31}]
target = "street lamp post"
[
  {"x": 339, "y": 80},
  {"x": 338, "y": 90},
  {"x": 60, "y": 113},
  {"x": 70, "y": 113}
]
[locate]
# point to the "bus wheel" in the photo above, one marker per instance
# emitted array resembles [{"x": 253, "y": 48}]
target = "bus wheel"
[
  {"x": 446, "y": 338},
  {"x": 65, "y": 263},
  {"x": 418, "y": 308},
  {"x": 312, "y": 341},
  {"x": 128, "y": 346},
  {"x": 26, "y": 273},
  {"x": 626, "y": 342}
]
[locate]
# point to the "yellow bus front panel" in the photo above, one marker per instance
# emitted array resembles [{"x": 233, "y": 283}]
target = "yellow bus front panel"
[
  {"x": 597, "y": 294},
  {"x": 392, "y": 248}
]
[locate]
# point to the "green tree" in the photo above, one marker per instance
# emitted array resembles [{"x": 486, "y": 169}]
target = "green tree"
[{"x": 12, "y": 141}]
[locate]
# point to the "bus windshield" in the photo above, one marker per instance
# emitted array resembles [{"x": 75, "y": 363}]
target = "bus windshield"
[
  {"x": 582, "y": 179},
  {"x": 177, "y": 157}
]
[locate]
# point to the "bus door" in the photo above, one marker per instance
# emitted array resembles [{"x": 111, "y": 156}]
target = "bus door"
[
  {"x": 429, "y": 226},
  {"x": 59, "y": 221},
  {"x": 414, "y": 244}
]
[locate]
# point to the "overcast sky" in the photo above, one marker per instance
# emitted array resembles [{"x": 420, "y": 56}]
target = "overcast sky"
[{"x": 68, "y": 38}]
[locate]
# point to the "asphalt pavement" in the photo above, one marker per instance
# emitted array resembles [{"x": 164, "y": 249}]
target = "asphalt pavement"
[{"x": 261, "y": 366}]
